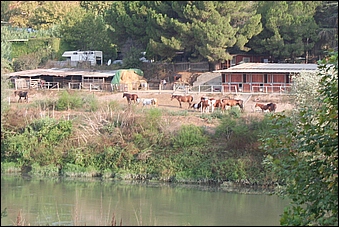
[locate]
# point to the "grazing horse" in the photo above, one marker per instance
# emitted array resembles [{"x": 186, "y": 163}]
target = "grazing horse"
[
  {"x": 271, "y": 107},
  {"x": 262, "y": 106},
  {"x": 21, "y": 94},
  {"x": 182, "y": 98},
  {"x": 130, "y": 97},
  {"x": 233, "y": 102},
  {"x": 207, "y": 104},
  {"x": 148, "y": 102},
  {"x": 196, "y": 106}
]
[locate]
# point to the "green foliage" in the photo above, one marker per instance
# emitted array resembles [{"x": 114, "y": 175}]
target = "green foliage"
[
  {"x": 47, "y": 170},
  {"x": 10, "y": 167},
  {"x": 73, "y": 170},
  {"x": 230, "y": 170},
  {"x": 189, "y": 135},
  {"x": 86, "y": 31},
  {"x": 91, "y": 103},
  {"x": 4, "y": 212},
  {"x": 290, "y": 29},
  {"x": 150, "y": 133},
  {"x": 4, "y": 96},
  {"x": 302, "y": 150},
  {"x": 202, "y": 29},
  {"x": 192, "y": 164},
  {"x": 37, "y": 142},
  {"x": 225, "y": 128},
  {"x": 67, "y": 101},
  {"x": 131, "y": 60},
  {"x": 27, "y": 62}
]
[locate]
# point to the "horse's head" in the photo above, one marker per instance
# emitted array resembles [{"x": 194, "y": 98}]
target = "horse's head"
[
  {"x": 173, "y": 97},
  {"x": 124, "y": 95},
  {"x": 256, "y": 105},
  {"x": 15, "y": 93}
]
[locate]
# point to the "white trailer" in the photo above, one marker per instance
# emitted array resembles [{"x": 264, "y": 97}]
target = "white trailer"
[{"x": 95, "y": 57}]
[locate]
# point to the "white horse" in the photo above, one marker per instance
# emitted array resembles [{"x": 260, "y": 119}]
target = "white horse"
[{"x": 148, "y": 102}]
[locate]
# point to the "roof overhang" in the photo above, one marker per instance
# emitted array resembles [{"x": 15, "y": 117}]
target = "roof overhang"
[{"x": 269, "y": 68}]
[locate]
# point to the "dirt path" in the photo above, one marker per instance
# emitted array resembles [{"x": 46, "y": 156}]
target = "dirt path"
[{"x": 165, "y": 102}]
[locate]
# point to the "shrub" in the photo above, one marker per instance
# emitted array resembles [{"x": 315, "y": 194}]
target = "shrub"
[
  {"x": 189, "y": 135},
  {"x": 67, "y": 101}
]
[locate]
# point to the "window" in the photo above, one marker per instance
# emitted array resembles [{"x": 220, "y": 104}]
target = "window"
[
  {"x": 246, "y": 59},
  {"x": 244, "y": 78},
  {"x": 223, "y": 78},
  {"x": 287, "y": 78},
  {"x": 233, "y": 61},
  {"x": 265, "y": 78}
]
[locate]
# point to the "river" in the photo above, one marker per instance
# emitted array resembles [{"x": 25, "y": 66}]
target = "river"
[{"x": 95, "y": 202}]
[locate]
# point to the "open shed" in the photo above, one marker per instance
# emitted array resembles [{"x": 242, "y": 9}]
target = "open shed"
[{"x": 63, "y": 78}]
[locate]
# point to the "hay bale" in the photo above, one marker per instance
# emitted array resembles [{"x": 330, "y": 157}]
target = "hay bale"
[{"x": 131, "y": 79}]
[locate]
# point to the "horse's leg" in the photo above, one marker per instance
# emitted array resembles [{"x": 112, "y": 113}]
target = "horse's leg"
[{"x": 180, "y": 104}]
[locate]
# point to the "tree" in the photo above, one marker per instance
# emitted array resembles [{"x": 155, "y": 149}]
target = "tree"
[
  {"x": 205, "y": 30},
  {"x": 127, "y": 21},
  {"x": 39, "y": 14},
  {"x": 302, "y": 150},
  {"x": 290, "y": 30},
  {"x": 96, "y": 7},
  {"x": 87, "y": 31},
  {"x": 327, "y": 18},
  {"x": 202, "y": 30}
]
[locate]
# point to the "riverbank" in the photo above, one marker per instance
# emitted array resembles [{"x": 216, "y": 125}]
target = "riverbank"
[{"x": 100, "y": 136}]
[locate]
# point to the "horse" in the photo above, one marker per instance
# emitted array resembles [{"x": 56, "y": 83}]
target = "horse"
[
  {"x": 207, "y": 103},
  {"x": 148, "y": 102},
  {"x": 21, "y": 94},
  {"x": 182, "y": 98},
  {"x": 233, "y": 102},
  {"x": 196, "y": 106},
  {"x": 130, "y": 97},
  {"x": 262, "y": 106},
  {"x": 271, "y": 107}
]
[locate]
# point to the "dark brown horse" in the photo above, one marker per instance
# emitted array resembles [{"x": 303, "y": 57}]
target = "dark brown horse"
[
  {"x": 130, "y": 97},
  {"x": 182, "y": 98},
  {"x": 270, "y": 107},
  {"x": 21, "y": 94},
  {"x": 233, "y": 102}
]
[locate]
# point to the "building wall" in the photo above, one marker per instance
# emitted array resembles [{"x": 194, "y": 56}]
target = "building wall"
[{"x": 256, "y": 82}]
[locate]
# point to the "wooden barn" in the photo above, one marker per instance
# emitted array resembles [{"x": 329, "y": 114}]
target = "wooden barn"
[
  {"x": 62, "y": 78},
  {"x": 261, "y": 77}
]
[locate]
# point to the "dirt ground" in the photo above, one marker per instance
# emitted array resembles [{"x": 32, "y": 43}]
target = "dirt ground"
[{"x": 165, "y": 102}]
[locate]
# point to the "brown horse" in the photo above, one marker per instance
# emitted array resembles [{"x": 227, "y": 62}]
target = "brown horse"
[
  {"x": 233, "y": 102},
  {"x": 270, "y": 107},
  {"x": 21, "y": 94},
  {"x": 181, "y": 98},
  {"x": 130, "y": 97}
]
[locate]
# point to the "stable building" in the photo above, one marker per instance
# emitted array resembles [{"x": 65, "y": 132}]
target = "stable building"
[{"x": 262, "y": 77}]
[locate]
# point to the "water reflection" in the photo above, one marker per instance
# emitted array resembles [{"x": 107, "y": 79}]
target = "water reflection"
[{"x": 67, "y": 201}]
